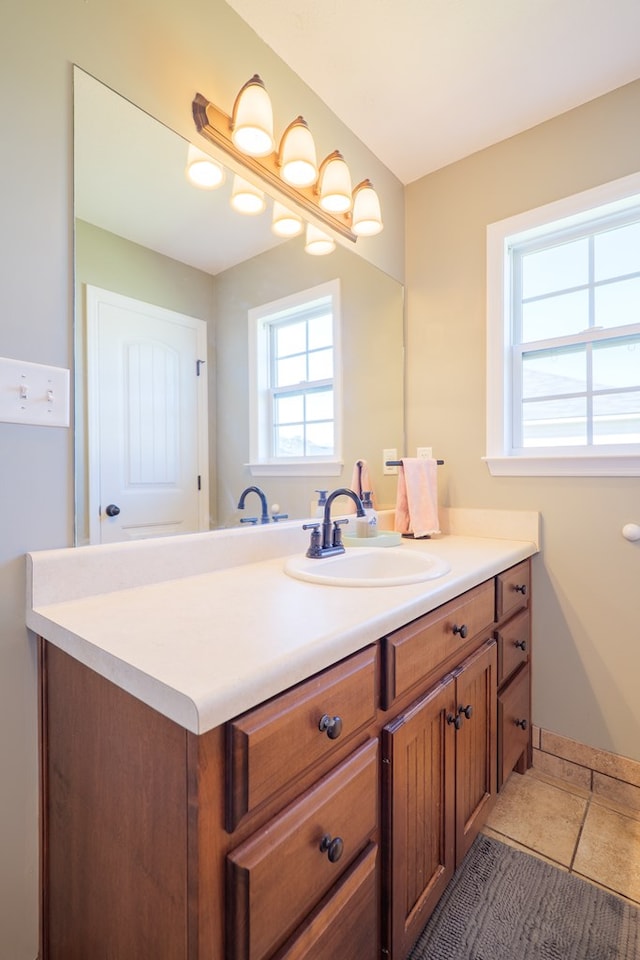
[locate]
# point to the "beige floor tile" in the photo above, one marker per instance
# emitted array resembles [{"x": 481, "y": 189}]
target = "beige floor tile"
[
  {"x": 540, "y": 816},
  {"x": 520, "y": 846},
  {"x": 540, "y": 773},
  {"x": 609, "y": 851}
]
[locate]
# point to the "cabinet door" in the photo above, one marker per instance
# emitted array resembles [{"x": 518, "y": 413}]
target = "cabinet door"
[
  {"x": 476, "y": 743},
  {"x": 418, "y": 750}
]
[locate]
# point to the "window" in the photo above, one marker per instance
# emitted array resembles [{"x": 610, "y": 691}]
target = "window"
[
  {"x": 295, "y": 424},
  {"x": 563, "y": 336}
]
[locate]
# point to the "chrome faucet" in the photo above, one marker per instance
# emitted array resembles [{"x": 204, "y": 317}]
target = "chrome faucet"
[
  {"x": 329, "y": 542},
  {"x": 263, "y": 500}
]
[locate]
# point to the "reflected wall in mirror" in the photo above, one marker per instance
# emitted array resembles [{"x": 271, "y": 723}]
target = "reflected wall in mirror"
[{"x": 142, "y": 231}]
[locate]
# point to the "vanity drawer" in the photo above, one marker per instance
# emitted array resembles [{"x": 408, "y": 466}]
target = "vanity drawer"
[
  {"x": 411, "y": 654},
  {"x": 514, "y": 639},
  {"x": 513, "y": 589},
  {"x": 345, "y": 924},
  {"x": 271, "y": 746},
  {"x": 514, "y": 723},
  {"x": 280, "y": 874}
]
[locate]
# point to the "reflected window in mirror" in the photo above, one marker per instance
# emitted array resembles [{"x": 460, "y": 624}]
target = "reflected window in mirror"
[{"x": 296, "y": 408}]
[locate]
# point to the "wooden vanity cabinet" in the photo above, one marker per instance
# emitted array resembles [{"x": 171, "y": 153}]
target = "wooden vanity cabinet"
[{"x": 323, "y": 824}]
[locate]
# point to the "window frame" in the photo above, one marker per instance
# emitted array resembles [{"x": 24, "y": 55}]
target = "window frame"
[
  {"x": 260, "y": 321},
  {"x": 501, "y": 458}
]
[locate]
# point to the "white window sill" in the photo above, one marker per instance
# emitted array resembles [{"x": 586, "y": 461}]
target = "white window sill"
[
  {"x": 297, "y": 468},
  {"x": 622, "y": 465}
]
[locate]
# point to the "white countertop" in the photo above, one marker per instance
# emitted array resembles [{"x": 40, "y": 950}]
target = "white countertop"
[{"x": 202, "y": 642}]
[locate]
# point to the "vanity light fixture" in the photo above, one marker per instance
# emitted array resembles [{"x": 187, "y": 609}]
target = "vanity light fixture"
[
  {"x": 246, "y": 197},
  {"x": 335, "y": 184},
  {"x": 297, "y": 155},
  {"x": 252, "y": 119},
  {"x": 318, "y": 243},
  {"x": 290, "y": 173},
  {"x": 285, "y": 223},
  {"x": 202, "y": 170},
  {"x": 366, "y": 218}
]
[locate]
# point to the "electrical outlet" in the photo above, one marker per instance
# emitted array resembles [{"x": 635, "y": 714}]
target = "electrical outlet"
[
  {"x": 424, "y": 453},
  {"x": 391, "y": 454}
]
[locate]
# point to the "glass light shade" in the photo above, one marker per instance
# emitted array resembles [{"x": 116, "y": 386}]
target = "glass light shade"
[
  {"x": 318, "y": 243},
  {"x": 247, "y": 198},
  {"x": 252, "y": 120},
  {"x": 285, "y": 223},
  {"x": 366, "y": 220},
  {"x": 298, "y": 162},
  {"x": 335, "y": 184},
  {"x": 202, "y": 171}
]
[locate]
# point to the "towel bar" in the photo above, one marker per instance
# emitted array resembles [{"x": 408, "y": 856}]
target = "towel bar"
[{"x": 398, "y": 463}]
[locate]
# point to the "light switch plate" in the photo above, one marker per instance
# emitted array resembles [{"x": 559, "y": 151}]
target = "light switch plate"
[
  {"x": 33, "y": 393},
  {"x": 424, "y": 453}
]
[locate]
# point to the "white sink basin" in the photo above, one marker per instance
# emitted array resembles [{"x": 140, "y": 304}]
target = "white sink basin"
[{"x": 368, "y": 568}]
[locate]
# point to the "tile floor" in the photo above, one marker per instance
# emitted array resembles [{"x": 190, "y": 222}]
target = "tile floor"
[{"x": 576, "y": 830}]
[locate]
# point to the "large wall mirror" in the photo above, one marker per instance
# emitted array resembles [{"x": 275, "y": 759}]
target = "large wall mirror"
[{"x": 143, "y": 233}]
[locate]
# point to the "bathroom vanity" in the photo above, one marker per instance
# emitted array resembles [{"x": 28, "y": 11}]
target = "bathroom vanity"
[{"x": 240, "y": 765}]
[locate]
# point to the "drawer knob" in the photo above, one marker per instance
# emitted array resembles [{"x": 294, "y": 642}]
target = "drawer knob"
[
  {"x": 521, "y": 588},
  {"x": 466, "y": 711},
  {"x": 332, "y": 726},
  {"x": 521, "y": 644},
  {"x": 456, "y": 721},
  {"x": 332, "y": 848},
  {"x": 522, "y": 724},
  {"x": 463, "y": 630}
]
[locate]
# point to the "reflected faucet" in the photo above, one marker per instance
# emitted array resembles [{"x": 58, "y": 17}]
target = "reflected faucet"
[
  {"x": 263, "y": 500},
  {"x": 329, "y": 542}
]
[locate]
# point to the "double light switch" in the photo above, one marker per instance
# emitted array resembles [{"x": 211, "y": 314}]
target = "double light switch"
[{"x": 33, "y": 393}]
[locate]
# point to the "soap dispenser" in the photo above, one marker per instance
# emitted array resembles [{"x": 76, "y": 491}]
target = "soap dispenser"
[
  {"x": 322, "y": 499},
  {"x": 370, "y": 513}
]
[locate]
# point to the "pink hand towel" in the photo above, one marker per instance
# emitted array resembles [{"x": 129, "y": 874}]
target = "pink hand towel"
[{"x": 417, "y": 498}]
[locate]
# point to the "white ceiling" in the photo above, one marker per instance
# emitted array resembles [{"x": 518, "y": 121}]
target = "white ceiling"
[{"x": 426, "y": 82}]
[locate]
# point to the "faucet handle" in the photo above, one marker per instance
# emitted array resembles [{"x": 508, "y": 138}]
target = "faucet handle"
[
  {"x": 336, "y": 540},
  {"x": 315, "y": 546}
]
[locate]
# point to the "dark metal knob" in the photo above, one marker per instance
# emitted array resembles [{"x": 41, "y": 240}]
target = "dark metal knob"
[
  {"x": 332, "y": 726},
  {"x": 521, "y": 723},
  {"x": 112, "y": 510},
  {"x": 332, "y": 848},
  {"x": 521, "y": 644},
  {"x": 521, "y": 588},
  {"x": 463, "y": 630},
  {"x": 466, "y": 711},
  {"x": 456, "y": 721}
]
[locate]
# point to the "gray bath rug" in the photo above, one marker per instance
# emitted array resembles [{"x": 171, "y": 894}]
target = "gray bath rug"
[{"x": 506, "y": 905}]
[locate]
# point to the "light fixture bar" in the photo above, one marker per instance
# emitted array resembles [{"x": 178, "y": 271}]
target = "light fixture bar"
[{"x": 215, "y": 125}]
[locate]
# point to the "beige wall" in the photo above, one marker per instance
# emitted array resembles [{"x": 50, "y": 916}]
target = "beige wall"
[
  {"x": 157, "y": 53},
  {"x": 587, "y": 607}
]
